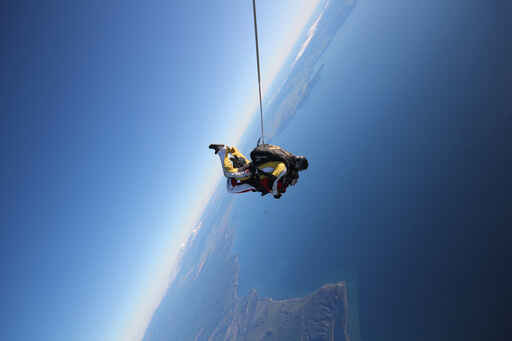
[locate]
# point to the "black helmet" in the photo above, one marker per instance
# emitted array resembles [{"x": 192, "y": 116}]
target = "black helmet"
[{"x": 301, "y": 163}]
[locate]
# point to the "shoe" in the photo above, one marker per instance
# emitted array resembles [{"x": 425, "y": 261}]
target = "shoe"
[{"x": 216, "y": 147}]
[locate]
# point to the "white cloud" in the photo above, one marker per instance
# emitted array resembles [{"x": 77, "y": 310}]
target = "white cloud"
[{"x": 311, "y": 33}]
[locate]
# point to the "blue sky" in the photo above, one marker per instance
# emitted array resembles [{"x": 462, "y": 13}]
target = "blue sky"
[
  {"x": 108, "y": 108},
  {"x": 107, "y": 112}
]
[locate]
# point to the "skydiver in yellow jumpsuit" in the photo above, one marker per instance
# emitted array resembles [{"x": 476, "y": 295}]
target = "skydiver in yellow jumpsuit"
[{"x": 273, "y": 176}]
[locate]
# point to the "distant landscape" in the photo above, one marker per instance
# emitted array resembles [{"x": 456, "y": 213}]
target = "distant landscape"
[{"x": 305, "y": 72}]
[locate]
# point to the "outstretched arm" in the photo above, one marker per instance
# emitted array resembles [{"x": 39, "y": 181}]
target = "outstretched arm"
[
  {"x": 230, "y": 171},
  {"x": 236, "y": 153}
]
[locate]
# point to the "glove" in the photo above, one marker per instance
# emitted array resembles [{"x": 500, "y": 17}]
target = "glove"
[{"x": 238, "y": 162}]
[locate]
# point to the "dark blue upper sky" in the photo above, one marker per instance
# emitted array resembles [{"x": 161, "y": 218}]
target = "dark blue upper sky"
[{"x": 407, "y": 133}]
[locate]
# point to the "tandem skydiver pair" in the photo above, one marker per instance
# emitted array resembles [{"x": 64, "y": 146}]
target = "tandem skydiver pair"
[{"x": 271, "y": 169}]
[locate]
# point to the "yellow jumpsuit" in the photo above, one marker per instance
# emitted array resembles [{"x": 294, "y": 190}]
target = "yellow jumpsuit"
[{"x": 276, "y": 168}]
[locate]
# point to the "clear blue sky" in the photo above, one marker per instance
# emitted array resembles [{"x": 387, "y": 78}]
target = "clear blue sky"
[{"x": 107, "y": 110}]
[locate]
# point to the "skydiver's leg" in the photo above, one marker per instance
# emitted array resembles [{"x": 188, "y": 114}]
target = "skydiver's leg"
[
  {"x": 227, "y": 166},
  {"x": 238, "y": 188}
]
